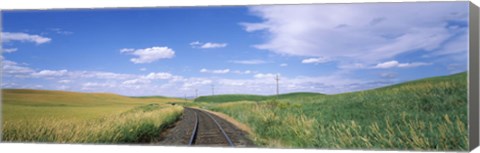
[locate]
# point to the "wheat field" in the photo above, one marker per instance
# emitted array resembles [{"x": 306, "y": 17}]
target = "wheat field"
[{"x": 69, "y": 117}]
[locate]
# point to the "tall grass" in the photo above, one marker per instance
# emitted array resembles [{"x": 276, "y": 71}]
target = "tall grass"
[
  {"x": 71, "y": 117},
  {"x": 429, "y": 114},
  {"x": 137, "y": 125}
]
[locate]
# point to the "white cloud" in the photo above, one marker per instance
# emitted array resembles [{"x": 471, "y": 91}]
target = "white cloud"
[
  {"x": 368, "y": 33},
  {"x": 61, "y": 31},
  {"x": 392, "y": 64},
  {"x": 283, "y": 64},
  {"x": 64, "y": 81},
  {"x": 456, "y": 49},
  {"x": 136, "y": 81},
  {"x": 388, "y": 75},
  {"x": 149, "y": 55},
  {"x": 50, "y": 73},
  {"x": 213, "y": 45},
  {"x": 19, "y": 70},
  {"x": 197, "y": 44},
  {"x": 143, "y": 69},
  {"x": 265, "y": 75},
  {"x": 195, "y": 82},
  {"x": 352, "y": 66},
  {"x": 10, "y": 50},
  {"x": 146, "y": 79},
  {"x": 266, "y": 84},
  {"x": 315, "y": 60},
  {"x": 415, "y": 64},
  {"x": 63, "y": 87},
  {"x": 243, "y": 72},
  {"x": 126, "y": 50},
  {"x": 388, "y": 64},
  {"x": 162, "y": 83},
  {"x": 10, "y": 67},
  {"x": 92, "y": 85},
  {"x": 221, "y": 71},
  {"x": 99, "y": 75},
  {"x": 249, "y": 62},
  {"x": 160, "y": 75},
  {"x": 24, "y": 37}
]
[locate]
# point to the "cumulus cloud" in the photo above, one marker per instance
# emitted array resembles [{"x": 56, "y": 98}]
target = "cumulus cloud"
[
  {"x": 197, "y": 44},
  {"x": 249, "y": 62},
  {"x": 221, "y": 71},
  {"x": 10, "y": 50},
  {"x": 393, "y": 64},
  {"x": 368, "y": 33},
  {"x": 315, "y": 60},
  {"x": 149, "y": 55},
  {"x": 24, "y": 37},
  {"x": 283, "y": 64},
  {"x": 11, "y": 67}
]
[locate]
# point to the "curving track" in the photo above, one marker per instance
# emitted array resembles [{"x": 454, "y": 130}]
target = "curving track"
[{"x": 207, "y": 131}]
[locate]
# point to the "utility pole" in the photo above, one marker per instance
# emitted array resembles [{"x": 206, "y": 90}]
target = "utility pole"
[
  {"x": 185, "y": 97},
  {"x": 213, "y": 89},
  {"x": 196, "y": 93},
  {"x": 277, "y": 79}
]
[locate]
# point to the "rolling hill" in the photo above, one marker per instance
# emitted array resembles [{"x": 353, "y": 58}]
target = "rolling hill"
[
  {"x": 424, "y": 114},
  {"x": 247, "y": 97}
]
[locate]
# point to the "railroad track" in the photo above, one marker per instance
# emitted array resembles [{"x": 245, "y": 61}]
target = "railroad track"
[{"x": 207, "y": 130}]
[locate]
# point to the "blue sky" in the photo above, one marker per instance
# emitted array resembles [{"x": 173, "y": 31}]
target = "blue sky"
[{"x": 328, "y": 48}]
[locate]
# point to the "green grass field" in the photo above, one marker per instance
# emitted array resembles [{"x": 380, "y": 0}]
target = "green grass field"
[
  {"x": 69, "y": 117},
  {"x": 427, "y": 114}
]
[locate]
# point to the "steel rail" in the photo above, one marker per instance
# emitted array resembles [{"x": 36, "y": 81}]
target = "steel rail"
[
  {"x": 194, "y": 132},
  {"x": 221, "y": 129},
  {"x": 195, "y": 128}
]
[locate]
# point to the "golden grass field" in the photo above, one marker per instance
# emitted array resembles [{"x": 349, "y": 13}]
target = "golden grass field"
[{"x": 69, "y": 117}]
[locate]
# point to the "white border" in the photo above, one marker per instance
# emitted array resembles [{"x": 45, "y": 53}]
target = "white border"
[
  {"x": 81, "y": 148},
  {"x": 63, "y": 4},
  {"x": 57, "y": 4}
]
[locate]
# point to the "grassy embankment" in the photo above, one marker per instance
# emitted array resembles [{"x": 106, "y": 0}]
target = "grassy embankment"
[
  {"x": 427, "y": 114},
  {"x": 69, "y": 117}
]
